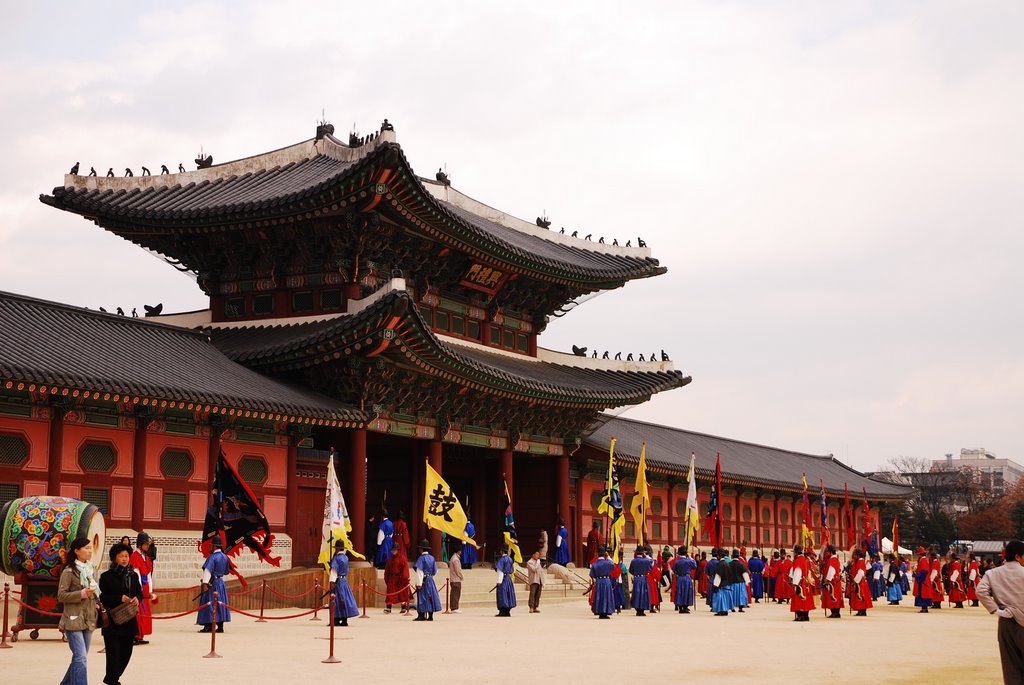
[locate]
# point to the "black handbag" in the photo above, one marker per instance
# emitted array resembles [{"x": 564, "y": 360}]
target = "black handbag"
[{"x": 123, "y": 613}]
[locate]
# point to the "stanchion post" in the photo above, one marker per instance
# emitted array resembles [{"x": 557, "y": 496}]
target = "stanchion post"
[
  {"x": 332, "y": 659},
  {"x": 213, "y": 632},
  {"x": 7, "y": 599},
  {"x": 447, "y": 595},
  {"x": 363, "y": 587},
  {"x": 319, "y": 600},
  {"x": 263, "y": 602}
]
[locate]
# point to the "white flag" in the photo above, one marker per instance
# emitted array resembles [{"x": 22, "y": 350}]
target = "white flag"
[
  {"x": 337, "y": 524},
  {"x": 692, "y": 510}
]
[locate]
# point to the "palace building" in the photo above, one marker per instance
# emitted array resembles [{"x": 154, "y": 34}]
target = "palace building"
[{"x": 353, "y": 305}]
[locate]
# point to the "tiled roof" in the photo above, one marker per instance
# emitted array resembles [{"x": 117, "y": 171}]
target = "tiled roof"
[
  {"x": 63, "y": 346},
  {"x": 259, "y": 346},
  {"x": 669, "y": 448},
  {"x": 168, "y": 207}
]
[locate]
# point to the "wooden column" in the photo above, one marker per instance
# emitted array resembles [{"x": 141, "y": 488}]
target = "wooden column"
[
  {"x": 357, "y": 486},
  {"x": 291, "y": 511},
  {"x": 506, "y": 473},
  {"x": 139, "y": 469},
  {"x": 53, "y": 460},
  {"x": 671, "y": 504},
  {"x": 435, "y": 450},
  {"x": 562, "y": 478}
]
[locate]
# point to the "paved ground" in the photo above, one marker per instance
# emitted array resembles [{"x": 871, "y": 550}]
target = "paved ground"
[{"x": 892, "y": 645}]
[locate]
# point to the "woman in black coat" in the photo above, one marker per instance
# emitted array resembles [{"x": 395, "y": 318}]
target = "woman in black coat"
[{"x": 119, "y": 584}]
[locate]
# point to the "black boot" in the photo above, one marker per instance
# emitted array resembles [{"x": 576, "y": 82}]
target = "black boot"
[
  {"x": 420, "y": 616},
  {"x": 430, "y": 616},
  {"x": 220, "y": 627},
  {"x": 207, "y": 628}
]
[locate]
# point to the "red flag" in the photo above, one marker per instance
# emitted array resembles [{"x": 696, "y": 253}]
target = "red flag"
[
  {"x": 714, "y": 518},
  {"x": 848, "y": 516},
  {"x": 896, "y": 536},
  {"x": 869, "y": 528},
  {"x": 826, "y": 534}
]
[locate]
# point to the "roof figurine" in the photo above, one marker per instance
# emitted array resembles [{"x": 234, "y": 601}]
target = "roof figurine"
[
  {"x": 92, "y": 171},
  {"x": 386, "y": 126},
  {"x": 74, "y": 170},
  {"x": 154, "y": 310},
  {"x": 128, "y": 172},
  {"x": 110, "y": 172},
  {"x": 203, "y": 161},
  {"x": 579, "y": 351},
  {"x": 145, "y": 172},
  {"x": 181, "y": 168},
  {"x": 442, "y": 177},
  {"x": 543, "y": 222},
  {"x": 164, "y": 170}
]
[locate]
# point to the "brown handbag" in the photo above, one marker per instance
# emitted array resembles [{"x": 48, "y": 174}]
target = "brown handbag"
[
  {"x": 123, "y": 612},
  {"x": 102, "y": 617}
]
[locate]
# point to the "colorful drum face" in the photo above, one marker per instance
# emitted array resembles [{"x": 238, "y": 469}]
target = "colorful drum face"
[{"x": 37, "y": 531}]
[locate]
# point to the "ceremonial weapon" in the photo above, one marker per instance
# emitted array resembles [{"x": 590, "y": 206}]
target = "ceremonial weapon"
[{"x": 587, "y": 591}]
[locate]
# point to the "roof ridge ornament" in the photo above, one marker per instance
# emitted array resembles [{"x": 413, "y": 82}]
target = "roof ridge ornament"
[{"x": 202, "y": 160}]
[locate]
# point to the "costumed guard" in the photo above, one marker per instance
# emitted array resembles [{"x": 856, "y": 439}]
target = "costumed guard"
[
  {"x": 385, "y": 535},
  {"x": 702, "y": 575},
  {"x": 400, "y": 538},
  {"x": 684, "y": 567},
  {"x": 894, "y": 582},
  {"x": 772, "y": 574},
  {"x": 215, "y": 568},
  {"x": 593, "y": 543},
  {"x": 935, "y": 580},
  {"x": 709, "y": 573},
  {"x": 427, "y": 599},
  {"x": 783, "y": 584},
  {"x": 468, "y": 550},
  {"x": 396, "y": 577},
  {"x": 922, "y": 587},
  {"x": 877, "y": 581},
  {"x": 620, "y": 578},
  {"x": 639, "y": 569},
  {"x": 802, "y": 602},
  {"x": 860, "y": 599},
  {"x": 653, "y": 579},
  {"x": 506, "y": 589},
  {"x": 741, "y": 588},
  {"x": 756, "y": 568},
  {"x": 723, "y": 596},
  {"x": 562, "y": 544},
  {"x": 344, "y": 601},
  {"x": 957, "y": 595},
  {"x": 973, "y": 575},
  {"x": 602, "y": 599},
  {"x": 143, "y": 566},
  {"x": 832, "y": 584}
]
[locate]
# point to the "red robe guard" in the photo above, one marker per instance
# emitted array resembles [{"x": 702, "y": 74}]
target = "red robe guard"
[
  {"x": 593, "y": 542},
  {"x": 396, "y": 578},
  {"x": 143, "y": 565},
  {"x": 973, "y": 576},
  {"x": 401, "y": 537},
  {"x": 832, "y": 586},
  {"x": 800, "y": 582},
  {"x": 957, "y": 594},
  {"x": 860, "y": 598},
  {"x": 935, "y": 582},
  {"x": 702, "y": 577},
  {"x": 783, "y": 585},
  {"x": 654, "y": 584}
]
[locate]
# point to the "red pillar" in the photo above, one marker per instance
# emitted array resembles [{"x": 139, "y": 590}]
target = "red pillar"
[
  {"x": 291, "y": 512},
  {"x": 758, "y": 537},
  {"x": 562, "y": 477},
  {"x": 670, "y": 534},
  {"x": 356, "y": 501},
  {"x": 139, "y": 470},
  {"x": 53, "y": 460},
  {"x": 434, "y": 452},
  {"x": 506, "y": 472}
]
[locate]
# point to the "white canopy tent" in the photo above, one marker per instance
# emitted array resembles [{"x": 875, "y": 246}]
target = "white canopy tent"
[{"x": 887, "y": 547}]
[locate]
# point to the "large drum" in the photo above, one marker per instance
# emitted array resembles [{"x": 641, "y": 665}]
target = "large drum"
[{"x": 37, "y": 531}]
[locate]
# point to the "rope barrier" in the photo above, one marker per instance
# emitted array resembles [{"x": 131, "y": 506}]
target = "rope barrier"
[
  {"x": 213, "y": 628},
  {"x": 331, "y": 659},
  {"x": 171, "y": 591},
  {"x": 271, "y": 618},
  {"x": 284, "y": 596},
  {"x": 38, "y": 611},
  {"x": 185, "y": 613}
]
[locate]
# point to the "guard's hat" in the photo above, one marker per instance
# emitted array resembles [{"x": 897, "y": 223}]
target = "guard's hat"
[
  {"x": 215, "y": 541},
  {"x": 922, "y": 550},
  {"x": 424, "y": 544},
  {"x": 339, "y": 544}
]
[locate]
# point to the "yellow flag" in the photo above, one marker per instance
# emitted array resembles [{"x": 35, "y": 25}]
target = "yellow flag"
[
  {"x": 611, "y": 506},
  {"x": 337, "y": 524},
  {"x": 642, "y": 498},
  {"x": 441, "y": 508}
]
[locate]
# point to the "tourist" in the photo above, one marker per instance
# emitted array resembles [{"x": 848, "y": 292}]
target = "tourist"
[
  {"x": 535, "y": 578},
  {"x": 385, "y": 534},
  {"x": 77, "y": 591},
  {"x": 860, "y": 599},
  {"x": 143, "y": 565},
  {"x": 119, "y": 584},
  {"x": 506, "y": 589},
  {"x": 756, "y": 568},
  {"x": 542, "y": 544},
  {"x": 593, "y": 542},
  {"x": 802, "y": 602},
  {"x": 396, "y": 581},
  {"x": 469, "y": 551},
  {"x": 126, "y": 541},
  {"x": 1001, "y": 591},
  {"x": 639, "y": 569},
  {"x": 345, "y": 605},
  {"x": 973, "y": 576},
  {"x": 832, "y": 584},
  {"x": 602, "y": 600},
  {"x": 427, "y": 599},
  {"x": 215, "y": 568},
  {"x": 562, "y": 556},
  {"x": 455, "y": 579},
  {"x": 922, "y": 588},
  {"x": 684, "y": 567}
]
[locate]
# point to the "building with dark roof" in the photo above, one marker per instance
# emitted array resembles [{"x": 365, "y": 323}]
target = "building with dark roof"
[{"x": 352, "y": 305}]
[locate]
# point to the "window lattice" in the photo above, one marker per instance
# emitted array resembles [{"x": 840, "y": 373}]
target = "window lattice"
[
  {"x": 175, "y": 463},
  {"x": 97, "y": 457},
  {"x": 253, "y": 470},
  {"x": 99, "y": 497},
  {"x": 175, "y": 505},
  {"x": 13, "y": 450},
  {"x": 9, "y": 491}
]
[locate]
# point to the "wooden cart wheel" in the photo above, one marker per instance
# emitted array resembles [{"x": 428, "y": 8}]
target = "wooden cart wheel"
[{"x": 34, "y": 634}]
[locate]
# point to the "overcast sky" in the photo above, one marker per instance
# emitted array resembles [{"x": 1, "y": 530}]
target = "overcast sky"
[{"x": 831, "y": 185}]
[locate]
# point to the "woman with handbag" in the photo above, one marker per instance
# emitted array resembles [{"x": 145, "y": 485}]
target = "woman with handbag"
[
  {"x": 120, "y": 595},
  {"x": 77, "y": 592}
]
